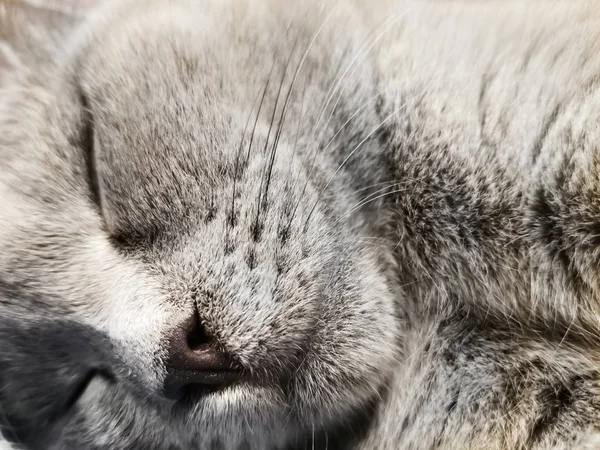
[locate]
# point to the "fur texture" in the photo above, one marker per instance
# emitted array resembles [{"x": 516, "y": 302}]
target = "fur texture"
[{"x": 386, "y": 212}]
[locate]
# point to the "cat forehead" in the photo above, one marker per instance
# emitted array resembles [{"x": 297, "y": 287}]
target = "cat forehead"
[
  {"x": 184, "y": 38},
  {"x": 150, "y": 71},
  {"x": 217, "y": 44},
  {"x": 133, "y": 65}
]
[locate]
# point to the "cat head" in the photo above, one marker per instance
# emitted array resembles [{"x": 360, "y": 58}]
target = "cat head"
[{"x": 184, "y": 254}]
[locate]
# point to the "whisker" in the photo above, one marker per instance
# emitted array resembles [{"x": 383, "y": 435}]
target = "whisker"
[
  {"x": 297, "y": 138},
  {"x": 362, "y": 107},
  {"x": 260, "y": 190},
  {"x": 262, "y": 178},
  {"x": 327, "y": 146},
  {"x": 366, "y": 202},
  {"x": 266, "y": 89},
  {"x": 369, "y": 44},
  {"x": 258, "y": 113},
  {"x": 268, "y": 82},
  {"x": 360, "y": 144},
  {"x": 389, "y": 183},
  {"x": 311, "y": 140},
  {"x": 336, "y": 85},
  {"x": 328, "y": 97},
  {"x": 386, "y": 28},
  {"x": 367, "y": 197},
  {"x": 238, "y": 156},
  {"x": 289, "y": 93}
]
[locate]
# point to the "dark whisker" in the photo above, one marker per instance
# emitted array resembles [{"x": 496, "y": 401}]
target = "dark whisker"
[
  {"x": 256, "y": 223},
  {"x": 264, "y": 94},
  {"x": 282, "y": 82},
  {"x": 287, "y": 99},
  {"x": 261, "y": 195}
]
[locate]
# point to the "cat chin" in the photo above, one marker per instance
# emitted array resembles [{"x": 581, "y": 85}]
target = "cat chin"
[
  {"x": 236, "y": 400},
  {"x": 236, "y": 415}
]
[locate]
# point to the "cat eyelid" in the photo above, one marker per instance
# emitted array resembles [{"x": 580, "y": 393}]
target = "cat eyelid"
[{"x": 88, "y": 145}]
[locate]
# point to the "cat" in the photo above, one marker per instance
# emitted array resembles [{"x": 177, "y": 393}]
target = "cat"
[{"x": 254, "y": 224}]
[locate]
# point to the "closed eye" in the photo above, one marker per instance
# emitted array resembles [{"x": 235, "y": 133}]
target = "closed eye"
[{"x": 87, "y": 143}]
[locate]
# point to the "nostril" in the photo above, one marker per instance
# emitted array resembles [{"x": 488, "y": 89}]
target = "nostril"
[
  {"x": 196, "y": 335},
  {"x": 194, "y": 362}
]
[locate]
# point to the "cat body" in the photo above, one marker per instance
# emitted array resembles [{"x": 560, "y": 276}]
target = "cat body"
[{"x": 385, "y": 213}]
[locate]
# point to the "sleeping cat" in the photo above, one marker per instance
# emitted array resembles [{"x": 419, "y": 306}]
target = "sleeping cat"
[{"x": 266, "y": 224}]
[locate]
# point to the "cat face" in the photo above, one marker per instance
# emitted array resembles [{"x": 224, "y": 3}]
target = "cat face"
[{"x": 182, "y": 264}]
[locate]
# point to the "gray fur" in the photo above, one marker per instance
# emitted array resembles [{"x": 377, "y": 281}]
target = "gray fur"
[{"x": 387, "y": 212}]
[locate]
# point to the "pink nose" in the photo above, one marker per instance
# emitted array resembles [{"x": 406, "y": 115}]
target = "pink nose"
[{"x": 194, "y": 364}]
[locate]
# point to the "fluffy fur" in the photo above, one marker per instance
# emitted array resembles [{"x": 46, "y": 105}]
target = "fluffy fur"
[{"x": 386, "y": 212}]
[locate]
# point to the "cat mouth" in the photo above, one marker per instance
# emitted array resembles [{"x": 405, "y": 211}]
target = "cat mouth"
[
  {"x": 184, "y": 385},
  {"x": 192, "y": 394}
]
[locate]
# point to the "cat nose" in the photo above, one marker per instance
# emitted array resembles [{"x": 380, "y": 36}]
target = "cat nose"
[{"x": 195, "y": 365}]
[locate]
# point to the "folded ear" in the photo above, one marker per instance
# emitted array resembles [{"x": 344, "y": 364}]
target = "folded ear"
[{"x": 29, "y": 29}]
